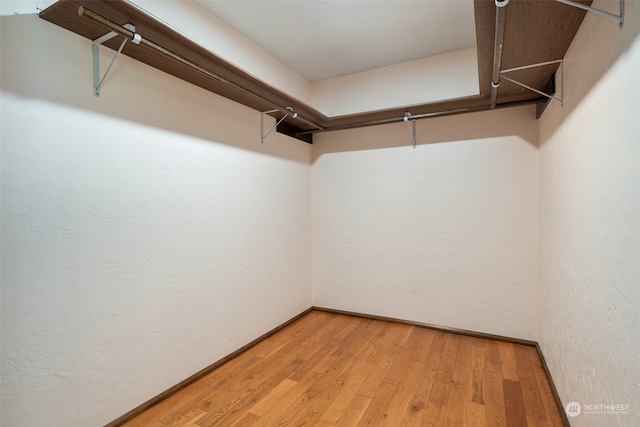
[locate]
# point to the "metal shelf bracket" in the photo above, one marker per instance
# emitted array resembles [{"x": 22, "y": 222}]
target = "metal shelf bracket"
[
  {"x": 619, "y": 18},
  {"x": 264, "y": 135},
  {"x": 95, "y": 50},
  {"x": 412, "y": 128},
  {"x": 540, "y": 64}
]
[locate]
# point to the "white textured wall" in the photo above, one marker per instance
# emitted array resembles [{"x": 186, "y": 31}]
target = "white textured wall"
[
  {"x": 434, "y": 78},
  {"x": 445, "y": 233},
  {"x": 145, "y": 234},
  {"x": 590, "y": 221}
]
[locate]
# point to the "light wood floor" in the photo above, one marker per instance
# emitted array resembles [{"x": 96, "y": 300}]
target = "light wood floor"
[{"x": 327, "y": 369}]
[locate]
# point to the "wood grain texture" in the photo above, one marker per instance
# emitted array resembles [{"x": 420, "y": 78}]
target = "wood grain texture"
[
  {"x": 330, "y": 369},
  {"x": 536, "y": 31}
]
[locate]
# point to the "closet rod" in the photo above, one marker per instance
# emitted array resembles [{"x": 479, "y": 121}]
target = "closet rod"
[
  {"x": 479, "y": 108},
  {"x": 398, "y": 119},
  {"x": 82, "y": 11},
  {"x": 498, "y": 45}
]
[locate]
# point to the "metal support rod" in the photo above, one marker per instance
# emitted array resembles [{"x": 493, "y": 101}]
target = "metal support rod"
[
  {"x": 96, "y": 62},
  {"x": 95, "y": 50},
  {"x": 82, "y": 11},
  {"x": 412, "y": 128},
  {"x": 524, "y": 67},
  {"x": 540, "y": 64},
  {"x": 501, "y": 13},
  {"x": 535, "y": 90},
  {"x": 414, "y": 135},
  {"x": 619, "y": 18},
  {"x": 264, "y": 135},
  {"x": 104, "y": 38}
]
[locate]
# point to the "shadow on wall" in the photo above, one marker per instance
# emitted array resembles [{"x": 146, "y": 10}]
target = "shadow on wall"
[
  {"x": 45, "y": 62},
  {"x": 515, "y": 121}
]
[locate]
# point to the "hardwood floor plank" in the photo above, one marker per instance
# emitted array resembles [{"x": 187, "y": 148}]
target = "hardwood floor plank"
[
  {"x": 233, "y": 378},
  {"x": 492, "y": 351},
  {"x": 494, "y": 395},
  {"x": 403, "y": 393},
  {"x": 529, "y": 385},
  {"x": 330, "y": 369},
  {"x": 176, "y": 406},
  {"x": 272, "y": 397},
  {"x": 476, "y": 380},
  {"x": 548, "y": 399},
  {"x": 392, "y": 378},
  {"x": 148, "y": 418},
  {"x": 437, "y": 405},
  {"x": 271, "y": 371},
  {"x": 439, "y": 340},
  {"x": 272, "y": 344},
  {"x": 535, "y": 422},
  {"x": 189, "y": 418},
  {"x": 147, "y": 423},
  {"x": 383, "y": 354},
  {"x": 229, "y": 412},
  {"x": 421, "y": 351},
  {"x": 327, "y": 342},
  {"x": 371, "y": 335},
  {"x": 515, "y": 413},
  {"x": 354, "y": 338},
  {"x": 376, "y": 411},
  {"x": 351, "y": 378},
  {"x": 475, "y": 415},
  {"x": 247, "y": 420},
  {"x": 280, "y": 371},
  {"x": 321, "y": 393},
  {"x": 349, "y": 392},
  {"x": 457, "y": 400},
  {"x": 416, "y": 410},
  {"x": 374, "y": 380},
  {"x": 245, "y": 376},
  {"x": 354, "y": 412},
  {"x": 220, "y": 403},
  {"x": 508, "y": 360},
  {"x": 395, "y": 373},
  {"x": 298, "y": 392}
]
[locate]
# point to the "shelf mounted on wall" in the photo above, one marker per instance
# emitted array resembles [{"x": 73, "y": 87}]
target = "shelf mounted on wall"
[
  {"x": 128, "y": 31},
  {"x": 166, "y": 49}
]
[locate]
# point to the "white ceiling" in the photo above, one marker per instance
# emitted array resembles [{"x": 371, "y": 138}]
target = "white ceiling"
[{"x": 321, "y": 39}]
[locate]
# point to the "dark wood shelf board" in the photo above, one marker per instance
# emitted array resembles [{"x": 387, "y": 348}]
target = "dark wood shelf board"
[
  {"x": 535, "y": 31},
  {"x": 65, "y": 14}
]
